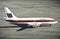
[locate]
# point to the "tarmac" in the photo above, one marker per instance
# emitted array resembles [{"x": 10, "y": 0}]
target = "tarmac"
[{"x": 30, "y": 8}]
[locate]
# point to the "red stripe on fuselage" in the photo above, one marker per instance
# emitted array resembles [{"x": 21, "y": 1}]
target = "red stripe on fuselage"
[{"x": 29, "y": 20}]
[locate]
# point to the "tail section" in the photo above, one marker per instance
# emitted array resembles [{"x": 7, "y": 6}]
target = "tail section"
[{"x": 9, "y": 14}]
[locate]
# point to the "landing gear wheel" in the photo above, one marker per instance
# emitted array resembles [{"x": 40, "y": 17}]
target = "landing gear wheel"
[
  {"x": 50, "y": 25},
  {"x": 31, "y": 26}
]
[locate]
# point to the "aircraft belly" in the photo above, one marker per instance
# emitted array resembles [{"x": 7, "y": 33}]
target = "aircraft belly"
[
  {"x": 18, "y": 23},
  {"x": 28, "y": 23}
]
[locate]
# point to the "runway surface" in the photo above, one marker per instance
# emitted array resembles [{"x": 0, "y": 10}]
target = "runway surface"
[{"x": 30, "y": 8}]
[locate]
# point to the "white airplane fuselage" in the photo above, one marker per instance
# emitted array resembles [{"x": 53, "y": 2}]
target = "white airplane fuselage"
[
  {"x": 10, "y": 17},
  {"x": 32, "y": 21}
]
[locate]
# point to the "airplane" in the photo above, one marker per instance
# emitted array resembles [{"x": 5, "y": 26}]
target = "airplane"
[{"x": 33, "y": 22}]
